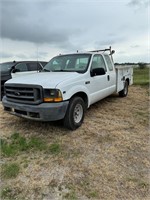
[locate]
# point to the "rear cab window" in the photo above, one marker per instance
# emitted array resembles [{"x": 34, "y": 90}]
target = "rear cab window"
[{"x": 109, "y": 62}]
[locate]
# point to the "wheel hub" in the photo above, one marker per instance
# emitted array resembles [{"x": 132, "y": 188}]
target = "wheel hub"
[{"x": 78, "y": 113}]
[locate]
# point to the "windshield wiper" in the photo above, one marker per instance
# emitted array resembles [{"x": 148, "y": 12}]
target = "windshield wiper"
[
  {"x": 59, "y": 70},
  {"x": 45, "y": 70},
  {"x": 63, "y": 70}
]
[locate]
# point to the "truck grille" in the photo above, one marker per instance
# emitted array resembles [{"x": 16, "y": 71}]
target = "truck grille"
[{"x": 28, "y": 94}]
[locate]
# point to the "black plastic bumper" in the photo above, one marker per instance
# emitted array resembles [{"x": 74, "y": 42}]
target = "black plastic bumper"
[{"x": 41, "y": 112}]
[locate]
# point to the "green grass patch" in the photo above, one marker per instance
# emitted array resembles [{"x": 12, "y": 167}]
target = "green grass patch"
[
  {"x": 70, "y": 195},
  {"x": 54, "y": 148},
  {"x": 10, "y": 170},
  {"x": 6, "y": 193},
  {"x": 8, "y": 149},
  {"x": 141, "y": 76},
  {"x": 37, "y": 143},
  {"x": 17, "y": 143}
]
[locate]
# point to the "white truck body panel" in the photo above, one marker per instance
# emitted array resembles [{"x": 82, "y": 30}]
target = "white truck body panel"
[
  {"x": 123, "y": 73},
  {"x": 99, "y": 88}
]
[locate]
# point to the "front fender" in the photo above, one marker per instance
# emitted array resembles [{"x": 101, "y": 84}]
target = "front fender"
[{"x": 74, "y": 90}]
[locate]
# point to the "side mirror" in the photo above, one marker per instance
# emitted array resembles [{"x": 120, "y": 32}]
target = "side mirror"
[
  {"x": 112, "y": 52},
  {"x": 98, "y": 72},
  {"x": 15, "y": 70}
]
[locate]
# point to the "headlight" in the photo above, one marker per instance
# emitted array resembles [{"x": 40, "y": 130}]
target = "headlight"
[{"x": 52, "y": 95}]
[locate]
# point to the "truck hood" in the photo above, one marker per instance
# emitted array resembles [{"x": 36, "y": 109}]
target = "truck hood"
[{"x": 45, "y": 79}]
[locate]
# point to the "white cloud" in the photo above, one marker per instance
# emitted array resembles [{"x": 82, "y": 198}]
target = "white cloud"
[{"x": 54, "y": 27}]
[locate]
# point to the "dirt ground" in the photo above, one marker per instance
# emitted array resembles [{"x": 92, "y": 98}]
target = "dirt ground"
[{"x": 107, "y": 158}]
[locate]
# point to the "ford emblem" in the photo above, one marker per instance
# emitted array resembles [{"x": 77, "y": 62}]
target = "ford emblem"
[{"x": 17, "y": 93}]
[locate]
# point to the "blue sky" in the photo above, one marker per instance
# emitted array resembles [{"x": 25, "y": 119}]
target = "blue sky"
[{"x": 41, "y": 29}]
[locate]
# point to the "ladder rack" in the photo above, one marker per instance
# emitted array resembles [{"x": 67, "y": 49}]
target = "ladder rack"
[{"x": 109, "y": 49}]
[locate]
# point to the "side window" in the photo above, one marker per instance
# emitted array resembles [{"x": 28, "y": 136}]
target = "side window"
[
  {"x": 33, "y": 66},
  {"x": 21, "y": 67},
  {"x": 81, "y": 63},
  {"x": 98, "y": 62},
  {"x": 109, "y": 62}
]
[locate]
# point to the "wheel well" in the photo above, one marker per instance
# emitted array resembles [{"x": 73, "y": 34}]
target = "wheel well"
[{"x": 83, "y": 96}]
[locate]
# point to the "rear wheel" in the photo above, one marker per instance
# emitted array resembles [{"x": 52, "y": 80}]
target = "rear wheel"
[
  {"x": 124, "y": 92},
  {"x": 75, "y": 113}
]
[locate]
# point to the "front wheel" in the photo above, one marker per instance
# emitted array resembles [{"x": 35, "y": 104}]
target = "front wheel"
[
  {"x": 75, "y": 113},
  {"x": 124, "y": 92}
]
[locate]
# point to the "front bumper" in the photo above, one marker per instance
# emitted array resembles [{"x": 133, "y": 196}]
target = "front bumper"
[{"x": 41, "y": 112}]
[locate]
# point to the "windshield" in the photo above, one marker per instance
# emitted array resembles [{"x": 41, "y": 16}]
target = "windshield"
[
  {"x": 69, "y": 63},
  {"x": 5, "y": 66}
]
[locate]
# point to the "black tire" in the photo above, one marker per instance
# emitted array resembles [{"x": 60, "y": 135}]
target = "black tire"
[
  {"x": 75, "y": 113},
  {"x": 124, "y": 92}
]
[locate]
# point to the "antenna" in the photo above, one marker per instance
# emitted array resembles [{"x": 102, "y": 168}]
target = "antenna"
[
  {"x": 37, "y": 58},
  {"x": 37, "y": 52}
]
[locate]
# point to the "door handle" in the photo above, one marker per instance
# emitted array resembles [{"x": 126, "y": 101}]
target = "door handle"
[
  {"x": 87, "y": 82},
  {"x": 108, "y": 77}
]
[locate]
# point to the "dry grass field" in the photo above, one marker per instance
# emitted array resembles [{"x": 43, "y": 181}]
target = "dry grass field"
[{"x": 107, "y": 158}]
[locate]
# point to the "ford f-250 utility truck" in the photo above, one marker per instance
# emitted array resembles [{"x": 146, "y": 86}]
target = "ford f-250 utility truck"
[{"x": 66, "y": 87}]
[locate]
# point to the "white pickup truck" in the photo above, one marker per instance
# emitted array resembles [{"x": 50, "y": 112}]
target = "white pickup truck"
[{"x": 66, "y": 87}]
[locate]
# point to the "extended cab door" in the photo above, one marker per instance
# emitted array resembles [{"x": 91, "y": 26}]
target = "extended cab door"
[
  {"x": 111, "y": 73},
  {"x": 99, "y": 85}
]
